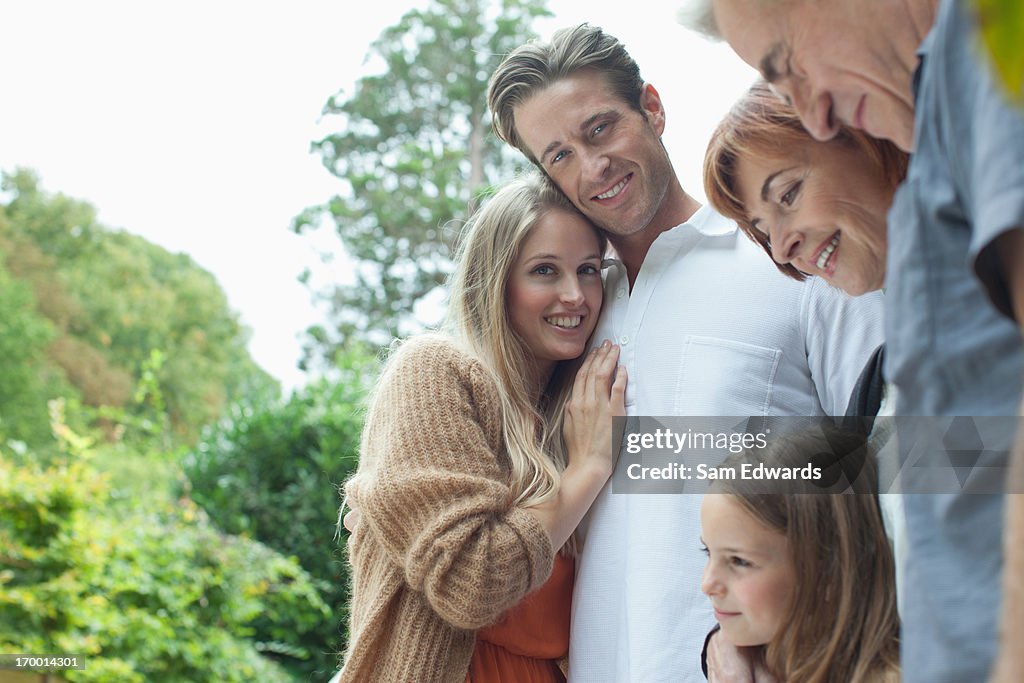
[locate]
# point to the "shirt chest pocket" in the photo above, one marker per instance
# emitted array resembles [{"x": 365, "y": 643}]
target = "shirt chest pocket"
[{"x": 725, "y": 377}]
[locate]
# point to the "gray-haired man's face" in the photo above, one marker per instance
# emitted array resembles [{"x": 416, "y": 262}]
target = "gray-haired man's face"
[{"x": 829, "y": 59}]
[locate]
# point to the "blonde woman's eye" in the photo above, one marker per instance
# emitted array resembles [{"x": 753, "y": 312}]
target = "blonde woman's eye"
[
  {"x": 543, "y": 270},
  {"x": 588, "y": 270}
]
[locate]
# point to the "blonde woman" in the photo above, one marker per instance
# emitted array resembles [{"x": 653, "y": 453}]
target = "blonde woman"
[{"x": 481, "y": 454}]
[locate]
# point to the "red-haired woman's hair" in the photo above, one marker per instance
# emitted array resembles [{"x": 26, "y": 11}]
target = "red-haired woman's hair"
[{"x": 761, "y": 125}]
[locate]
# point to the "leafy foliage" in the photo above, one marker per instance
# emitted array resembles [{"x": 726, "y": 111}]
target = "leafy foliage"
[
  {"x": 228, "y": 570},
  {"x": 271, "y": 471},
  {"x": 1002, "y": 31},
  {"x": 24, "y": 337},
  {"x": 155, "y": 594},
  {"x": 412, "y": 150},
  {"x": 110, "y": 299},
  {"x": 113, "y": 352}
]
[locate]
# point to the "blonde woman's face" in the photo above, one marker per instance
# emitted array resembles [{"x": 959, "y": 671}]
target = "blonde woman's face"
[
  {"x": 554, "y": 289},
  {"x": 749, "y": 575}
]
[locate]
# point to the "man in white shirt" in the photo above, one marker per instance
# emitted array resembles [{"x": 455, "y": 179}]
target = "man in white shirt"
[{"x": 706, "y": 324}]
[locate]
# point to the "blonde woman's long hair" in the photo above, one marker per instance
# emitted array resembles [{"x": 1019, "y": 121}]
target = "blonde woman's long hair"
[{"x": 477, "y": 318}]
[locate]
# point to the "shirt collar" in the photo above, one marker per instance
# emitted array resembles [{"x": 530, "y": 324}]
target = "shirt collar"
[{"x": 922, "y": 55}]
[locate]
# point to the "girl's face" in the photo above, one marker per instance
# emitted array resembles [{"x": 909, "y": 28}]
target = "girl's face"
[
  {"x": 554, "y": 289},
  {"x": 749, "y": 576}
]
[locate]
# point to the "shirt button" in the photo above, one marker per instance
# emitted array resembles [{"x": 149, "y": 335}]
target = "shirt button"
[
  {"x": 619, "y": 294},
  {"x": 624, "y": 340}
]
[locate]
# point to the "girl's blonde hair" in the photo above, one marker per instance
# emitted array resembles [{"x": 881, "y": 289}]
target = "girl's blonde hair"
[{"x": 842, "y": 626}]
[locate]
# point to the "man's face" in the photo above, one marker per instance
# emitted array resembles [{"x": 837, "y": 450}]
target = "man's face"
[
  {"x": 830, "y": 59},
  {"x": 604, "y": 155}
]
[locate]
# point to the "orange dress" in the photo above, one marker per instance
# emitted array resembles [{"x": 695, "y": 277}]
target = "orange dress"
[{"x": 525, "y": 646}]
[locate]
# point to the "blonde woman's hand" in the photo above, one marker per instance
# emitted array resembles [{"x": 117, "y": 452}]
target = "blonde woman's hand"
[{"x": 598, "y": 395}]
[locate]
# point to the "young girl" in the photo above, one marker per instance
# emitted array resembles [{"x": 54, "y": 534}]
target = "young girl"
[
  {"x": 480, "y": 455},
  {"x": 804, "y": 580}
]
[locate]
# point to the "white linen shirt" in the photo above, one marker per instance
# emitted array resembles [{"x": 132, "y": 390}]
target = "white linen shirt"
[{"x": 710, "y": 328}]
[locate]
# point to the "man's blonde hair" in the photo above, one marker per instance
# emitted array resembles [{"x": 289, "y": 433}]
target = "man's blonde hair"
[
  {"x": 478, "y": 320},
  {"x": 534, "y": 66}
]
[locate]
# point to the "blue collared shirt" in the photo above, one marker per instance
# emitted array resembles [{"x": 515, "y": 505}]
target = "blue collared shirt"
[{"x": 949, "y": 350}]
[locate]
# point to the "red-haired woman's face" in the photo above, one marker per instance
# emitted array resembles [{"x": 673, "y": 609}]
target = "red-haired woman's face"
[{"x": 823, "y": 209}]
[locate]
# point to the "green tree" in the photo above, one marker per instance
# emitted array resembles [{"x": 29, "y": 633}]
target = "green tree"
[
  {"x": 114, "y": 298},
  {"x": 272, "y": 472},
  {"x": 412, "y": 150},
  {"x": 24, "y": 337},
  {"x": 151, "y": 593}
]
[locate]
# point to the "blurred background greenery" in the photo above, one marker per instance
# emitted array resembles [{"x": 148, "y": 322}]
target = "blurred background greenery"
[
  {"x": 1001, "y": 25},
  {"x": 164, "y": 511}
]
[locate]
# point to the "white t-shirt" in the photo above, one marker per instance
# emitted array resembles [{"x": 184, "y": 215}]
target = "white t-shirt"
[{"x": 711, "y": 328}]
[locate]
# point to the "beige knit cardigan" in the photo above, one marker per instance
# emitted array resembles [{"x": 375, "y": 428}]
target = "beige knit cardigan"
[{"x": 440, "y": 550}]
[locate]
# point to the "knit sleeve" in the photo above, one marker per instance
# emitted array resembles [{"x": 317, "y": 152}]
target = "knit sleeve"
[{"x": 438, "y": 498}]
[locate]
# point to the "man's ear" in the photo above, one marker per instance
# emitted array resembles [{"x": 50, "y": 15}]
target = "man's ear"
[{"x": 650, "y": 103}]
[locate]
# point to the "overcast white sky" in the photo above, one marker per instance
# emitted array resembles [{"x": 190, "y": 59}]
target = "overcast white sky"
[{"x": 189, "y": 122}]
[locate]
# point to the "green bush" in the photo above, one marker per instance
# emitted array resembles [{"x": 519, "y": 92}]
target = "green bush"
[
  {"x": 157, "y": 596},
  {"x": 272, "y": 471}
]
